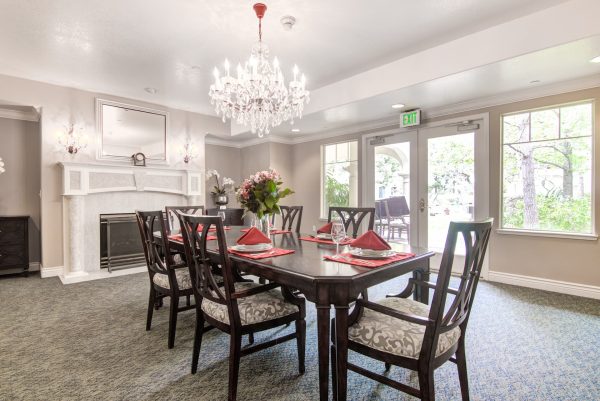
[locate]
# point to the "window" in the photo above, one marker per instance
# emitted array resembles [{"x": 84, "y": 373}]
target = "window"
[
  {"x": 339, "y": 175},
  {"x": 547, "y": 169}
]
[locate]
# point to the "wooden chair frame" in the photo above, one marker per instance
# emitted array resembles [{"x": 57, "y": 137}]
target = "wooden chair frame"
[
  {"x": 352, "y": 217},
  {"x": 289, "y": 215},
  {"x": 159, "y": 259},
  {"x": 173, "y": 213},
  {"x": 476, "y": 236},
  {"x": 205, "y": 287}
]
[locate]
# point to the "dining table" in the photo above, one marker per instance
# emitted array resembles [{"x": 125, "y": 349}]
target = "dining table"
[{"x": 327, "y": 284}]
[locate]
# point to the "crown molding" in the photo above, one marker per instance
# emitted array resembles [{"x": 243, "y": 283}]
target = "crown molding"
[
  {"x": 588, "y": 82},
  {"x": 521, "y": 95},
  {"x": 19, "y": 115}
]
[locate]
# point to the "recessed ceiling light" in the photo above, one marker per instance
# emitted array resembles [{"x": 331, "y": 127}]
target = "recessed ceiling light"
[
  {"x": 397, "y": 106},
  {"x": 595, "y": 60},
  {"x": 295, "y": 129},
  {"x": 151, "y": 91}
]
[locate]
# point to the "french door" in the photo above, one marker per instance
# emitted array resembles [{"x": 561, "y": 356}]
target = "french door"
[{"x": 442, "y": 173}]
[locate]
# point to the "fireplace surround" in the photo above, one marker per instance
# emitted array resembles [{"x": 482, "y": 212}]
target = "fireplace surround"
[{"x": 92, "y": 189}]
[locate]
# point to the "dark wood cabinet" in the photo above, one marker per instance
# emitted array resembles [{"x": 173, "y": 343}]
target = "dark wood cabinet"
[
  {"x": 14, "y": 244},
  {"x": 233, "y": 217}
]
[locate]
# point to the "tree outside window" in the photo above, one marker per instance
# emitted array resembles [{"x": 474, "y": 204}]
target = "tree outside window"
[
  {"x": 547, "y": 169},
  {"x": 340, "y": 180}
]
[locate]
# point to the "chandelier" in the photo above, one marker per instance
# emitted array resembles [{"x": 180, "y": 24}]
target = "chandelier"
[{"x": 257, "y": 96}]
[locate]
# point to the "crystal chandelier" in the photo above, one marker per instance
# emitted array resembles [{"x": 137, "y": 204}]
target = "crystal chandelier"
[{"x": 257, "y": 96}]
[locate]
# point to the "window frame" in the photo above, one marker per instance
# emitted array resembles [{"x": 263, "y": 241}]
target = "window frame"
[
  {"x": 323, "y": 213},
  {"x": 593, "y": 235}
]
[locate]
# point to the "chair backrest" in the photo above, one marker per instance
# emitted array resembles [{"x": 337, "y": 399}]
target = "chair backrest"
[
  {"x": 352, "y": 217},
  {"x": 475, "y": 236},
  {"x": 173, "y": 218},
  {"x": 201, "y": 264},
  {"x": 149, "y": 223},
  {"x": 381, "y": 209},
  {"x": 289, "y": 214},
  {"x": 397, "y": 206}
]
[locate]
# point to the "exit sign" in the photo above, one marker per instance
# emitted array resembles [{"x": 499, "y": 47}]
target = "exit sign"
[{"x": 410, "y": 118}]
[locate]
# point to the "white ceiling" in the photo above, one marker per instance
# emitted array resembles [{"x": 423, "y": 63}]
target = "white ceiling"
[
  {"x": 549, "y": 66},
  {"x": 121, "y": 47}
]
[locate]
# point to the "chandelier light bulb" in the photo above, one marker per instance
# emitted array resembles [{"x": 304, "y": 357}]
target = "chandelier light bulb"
[{"x": 258, "y": 97}]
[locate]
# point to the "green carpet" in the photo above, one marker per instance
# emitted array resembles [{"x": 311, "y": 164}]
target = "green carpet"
[{"x": 88, "y": 341}]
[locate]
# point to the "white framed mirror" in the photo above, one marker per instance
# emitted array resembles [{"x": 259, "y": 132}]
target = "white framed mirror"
[{"x": 124, "y": 130}]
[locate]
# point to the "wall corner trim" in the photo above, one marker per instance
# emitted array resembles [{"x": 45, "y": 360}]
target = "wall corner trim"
[
  {"x": 55, "y": 271},
  {"x": 563, "y": 287}
]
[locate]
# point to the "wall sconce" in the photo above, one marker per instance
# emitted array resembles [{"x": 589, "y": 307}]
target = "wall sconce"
[
  {"x": 72, "y": 139},
  {"x": 189, "y": 151}
]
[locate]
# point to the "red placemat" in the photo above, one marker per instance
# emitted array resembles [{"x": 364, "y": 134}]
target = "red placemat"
[
  {"x": 326, "y": 241},
  {"x": 200, "y": 227},
  {"x": 271, "y": 253},
  {"x": 348, "y": 259},
  {"x": 244, "y": 230},
  {"x": 179, "y": 237}
]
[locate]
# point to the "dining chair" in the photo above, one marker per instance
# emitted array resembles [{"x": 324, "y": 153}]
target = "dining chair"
[
  {"x": 400, "y": 331},
  {"x": 352, "y": 217},
  {"x": 236, "y": 308},
  {"x": 173, "y": 211},
  {"x": 289, "y": 215},
  {"x": 381, "y": 218},
  {"x": 167, "y": 278},
  {"x": 398, "y": 216}
]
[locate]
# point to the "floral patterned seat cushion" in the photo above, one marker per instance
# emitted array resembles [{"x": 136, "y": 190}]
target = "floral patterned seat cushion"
[
  {"x": 395, "y": 336},
  {"x": 181, "y": 275},
  {"x": 257, "y": 308}
]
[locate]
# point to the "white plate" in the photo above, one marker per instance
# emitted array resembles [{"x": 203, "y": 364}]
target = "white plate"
[
  {"x": 371, "y": 254},
  {"x": 252, "y": 248},
  {"x": 323, "y": 236}
]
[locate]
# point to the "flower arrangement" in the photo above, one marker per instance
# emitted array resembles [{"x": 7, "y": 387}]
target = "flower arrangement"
[
  {"x": 2, "y": 170},
  {"x": 261, "y": 192},
  {"x": 222, "y": 187}
]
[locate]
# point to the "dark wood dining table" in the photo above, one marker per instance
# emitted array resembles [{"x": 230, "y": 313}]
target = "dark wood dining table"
[{"x": 327, "y": 283}]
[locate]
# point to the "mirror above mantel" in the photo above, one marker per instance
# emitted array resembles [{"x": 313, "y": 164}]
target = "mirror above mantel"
[{"x": 124, "y": 130}]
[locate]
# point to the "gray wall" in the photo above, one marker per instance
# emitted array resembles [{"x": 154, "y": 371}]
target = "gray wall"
[
  {"x": 228, "y": 162},
  {"x": 20, "y": 185}
]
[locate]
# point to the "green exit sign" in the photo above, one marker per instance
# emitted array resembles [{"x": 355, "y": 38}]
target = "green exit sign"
[{"x": 410, "y": 118}]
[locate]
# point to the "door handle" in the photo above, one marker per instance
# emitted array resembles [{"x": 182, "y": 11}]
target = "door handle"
[{"x": 421, "y": 205}]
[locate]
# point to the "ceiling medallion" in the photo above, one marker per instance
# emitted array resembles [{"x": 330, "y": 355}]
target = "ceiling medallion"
[{"x": 258, "y": 97}]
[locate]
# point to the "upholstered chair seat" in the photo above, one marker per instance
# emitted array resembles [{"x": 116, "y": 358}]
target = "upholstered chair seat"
[
  {"x": 396, "y": 336},
  {"x": 181, "y": 275},
  {"x": 256, "y": 308}
]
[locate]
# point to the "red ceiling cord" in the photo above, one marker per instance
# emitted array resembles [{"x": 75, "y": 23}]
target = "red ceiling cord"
[{"x": 260, "y": 9}]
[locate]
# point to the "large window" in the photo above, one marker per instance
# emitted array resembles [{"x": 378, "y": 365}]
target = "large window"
[
  {"x": 339, "y": 175},
  {"x": 547, "y": 169}
]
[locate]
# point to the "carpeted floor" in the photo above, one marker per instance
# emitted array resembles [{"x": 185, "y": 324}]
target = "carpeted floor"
[{"x": 88, "y": 342}]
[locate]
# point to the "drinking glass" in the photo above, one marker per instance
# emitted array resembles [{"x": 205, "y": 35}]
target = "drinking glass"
[{"x": 338, "y": 234}]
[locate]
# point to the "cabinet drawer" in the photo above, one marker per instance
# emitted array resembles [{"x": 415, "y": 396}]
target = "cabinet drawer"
[
  {"x": 12, "y": 255},
  {"x": 12, "y": 231}
]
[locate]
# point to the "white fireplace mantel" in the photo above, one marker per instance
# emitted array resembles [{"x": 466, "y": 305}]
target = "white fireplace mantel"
[
  {"x": 91, "y": 189},
  {"x": 89, "y": 178}
]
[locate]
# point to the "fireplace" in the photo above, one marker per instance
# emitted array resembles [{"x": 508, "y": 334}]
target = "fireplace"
[{"x": 120, "y": 242}]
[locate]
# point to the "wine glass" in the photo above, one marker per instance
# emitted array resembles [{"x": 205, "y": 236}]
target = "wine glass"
[{"x": 338, "y": 234}]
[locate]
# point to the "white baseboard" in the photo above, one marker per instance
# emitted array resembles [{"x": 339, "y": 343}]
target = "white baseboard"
[
  {"x": 563, "y": 287},
  {"x": 50, "y": 271},
  {"x": 71, "y": 278}
]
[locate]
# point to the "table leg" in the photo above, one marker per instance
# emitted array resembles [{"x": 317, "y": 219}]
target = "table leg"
[
  {"x": 341, "y": 348},
  {"x": 421, "y": 292},
  {"x": 323, "y": 322}
]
